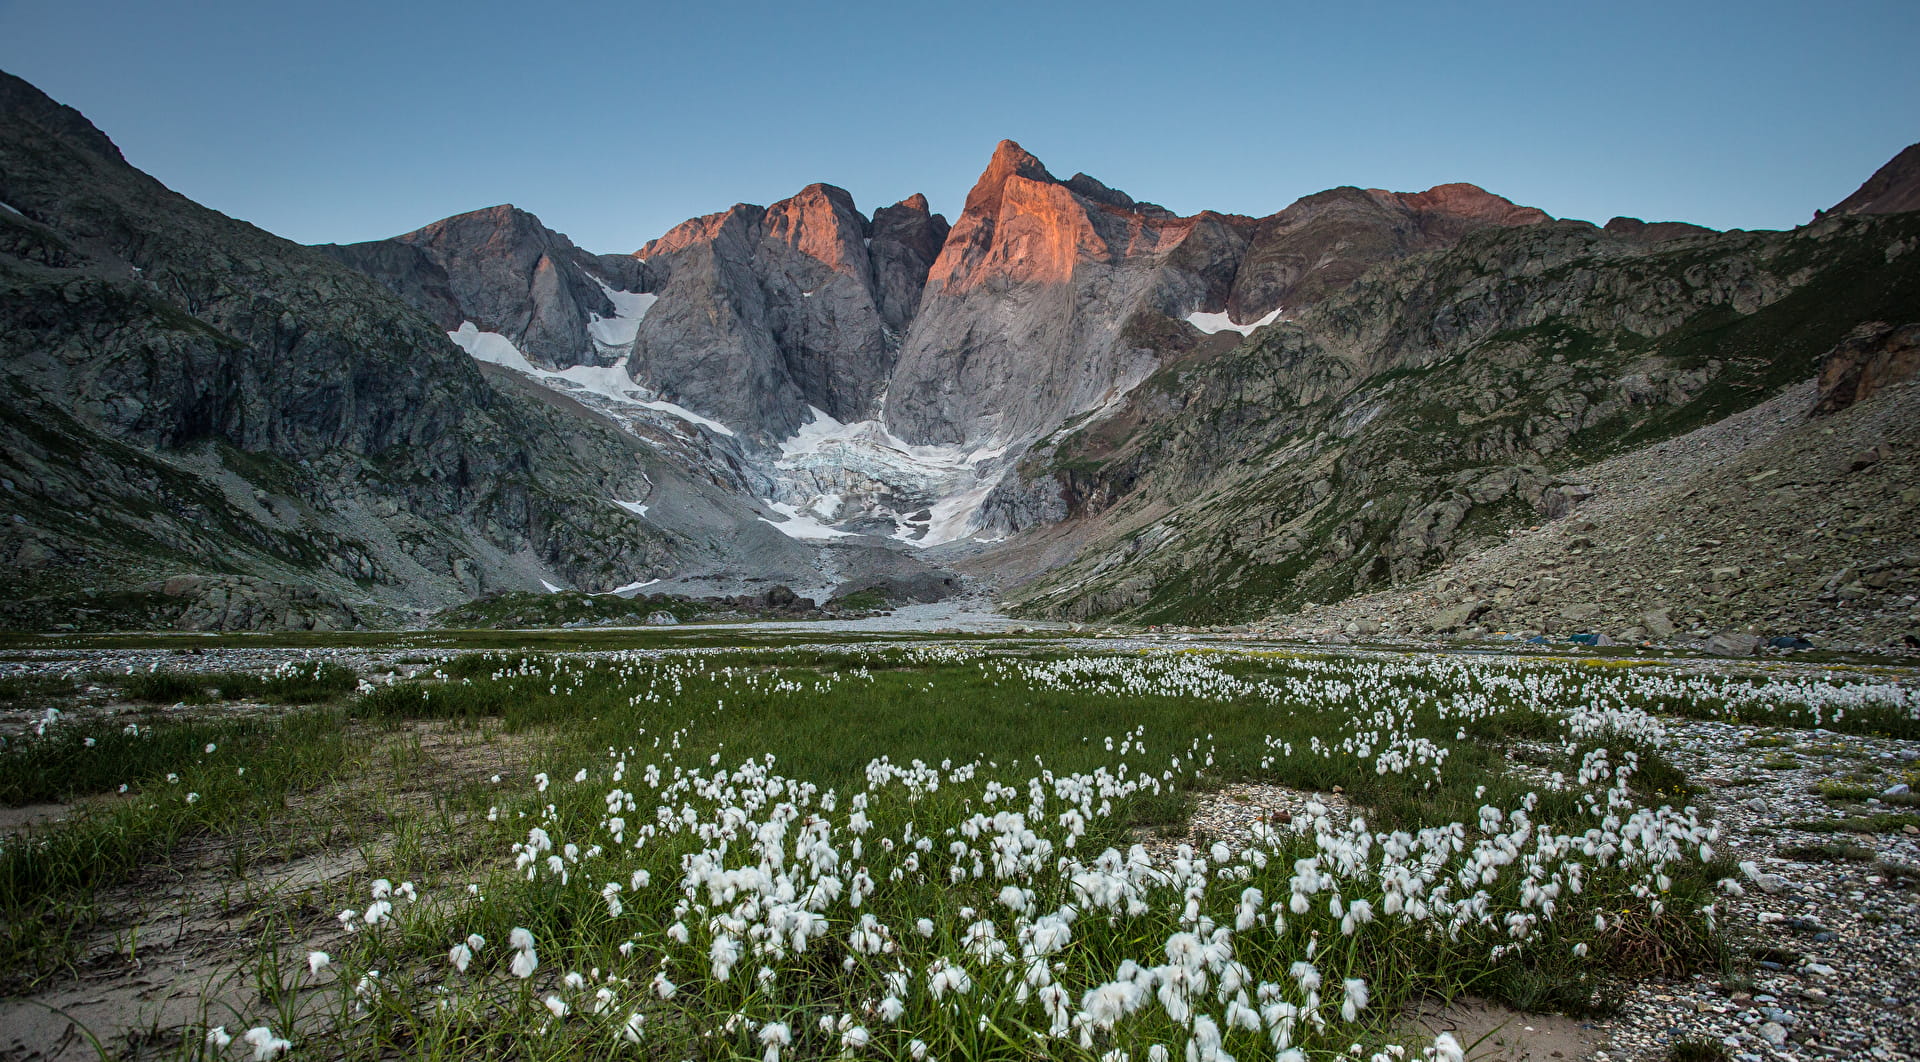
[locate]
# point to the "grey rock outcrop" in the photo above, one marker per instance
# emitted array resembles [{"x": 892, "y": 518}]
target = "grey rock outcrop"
[
  {"x": 501, "y": 269},
  {"x": 907, "y": 237}
]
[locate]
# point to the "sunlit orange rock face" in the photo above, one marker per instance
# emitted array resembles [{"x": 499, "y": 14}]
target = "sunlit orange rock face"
[
  {"x": 1021, "y": 225},
  {"x": 1023, "y": 319}
]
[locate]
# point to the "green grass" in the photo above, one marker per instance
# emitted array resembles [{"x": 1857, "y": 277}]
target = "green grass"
[
  {"x": 1698, "y": 1049},
  {"x": 1882, "y": 822},
  {"x": 868, "y": 600},
  {"x": 311, "y": 683},
  {"x": 1840, "y": 791},
  {"x": 815, "y": 719},
  {"x": 520, "y": 609},
  {"x": 1829, "y": 852},
  {"x": 183, "y": 781}
]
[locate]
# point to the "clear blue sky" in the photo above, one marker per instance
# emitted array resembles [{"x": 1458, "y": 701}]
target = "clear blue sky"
[{"x": 339, "y": 120}]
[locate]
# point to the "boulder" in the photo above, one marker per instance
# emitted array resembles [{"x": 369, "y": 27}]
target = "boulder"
[
  {"x": 1732, "y": 643},
  {"x": 1454, "y": 617},
  {"x": 662, "y": 618},
  {"x": 1874, "y": 357},
  {"x": 1658, "y": 624}
]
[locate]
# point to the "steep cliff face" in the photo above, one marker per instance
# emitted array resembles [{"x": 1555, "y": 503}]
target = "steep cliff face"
[
  {"x": 505, "y": 272},
  {"x": 907, "y": 237},
  {"x": 1021, "y": 323},
  {"x": 766, "y": 311}
]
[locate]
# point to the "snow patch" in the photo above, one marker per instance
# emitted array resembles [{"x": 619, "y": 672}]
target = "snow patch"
[
  {"x": 552, "y": 589},
  {"x": 1211, "y": 323},
  {"x": 8, "y": 207},
  {"x": 623, "y": 327},
  {"x": 801, "y": 526},
  {"x": 610, "y": 382},
  {"x": 689, "y": 416},
  {"x": 491, "y": 347},
  {"x": 629, "y": 588},
  {"x": 633, "y": 507}
]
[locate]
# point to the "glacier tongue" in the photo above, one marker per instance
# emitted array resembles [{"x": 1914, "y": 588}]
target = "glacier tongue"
[
  {"x": 829, "y": 480},
  {"x": 864, "y": 477}
]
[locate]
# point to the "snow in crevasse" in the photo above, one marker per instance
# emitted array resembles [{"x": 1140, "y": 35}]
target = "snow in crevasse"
[{"x": 1211, "y": 323}]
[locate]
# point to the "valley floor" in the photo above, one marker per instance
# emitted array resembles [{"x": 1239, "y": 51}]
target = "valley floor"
[{"x": 1708, "y": 855}]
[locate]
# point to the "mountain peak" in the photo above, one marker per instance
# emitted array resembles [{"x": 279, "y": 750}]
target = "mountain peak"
[
  {"x": 1009, "y": 160},
  {"x": 1892, "y": 189},
  {"x": 1464, "y": 200},
  {"x": 19, "y": 100}
]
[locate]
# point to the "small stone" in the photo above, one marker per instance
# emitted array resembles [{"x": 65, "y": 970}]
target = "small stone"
[
  {"x": 1898, "y": 790},
  {"x": 1774, "y": 1033},
  {"x": 1757, "y": 805}
]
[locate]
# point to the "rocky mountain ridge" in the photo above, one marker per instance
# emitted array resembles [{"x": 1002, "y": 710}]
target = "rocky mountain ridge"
[
  {"x": 1104, "y": 408},
  {"x": 188, "y": 396},
  {"x": 883, "y": 376},
  {"x": 1440, "y": 402}
]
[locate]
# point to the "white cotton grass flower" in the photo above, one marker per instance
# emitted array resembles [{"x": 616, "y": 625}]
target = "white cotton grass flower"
[
  {"x": 1448, "y": 1049},
  {"x": 524, "y": 960},
  {"x": 460, "y": 956},
  {"x": 557, "y": 1005},
  {"x": 1356, "y": 1000},
  {"x": 634, "y": 1027},
  {"x": 218, "y": 1038},
  {"x": 318, "y": 961},
  {"x": 774, "y": 1036},
  {"x": 266, "y": 1046}
]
